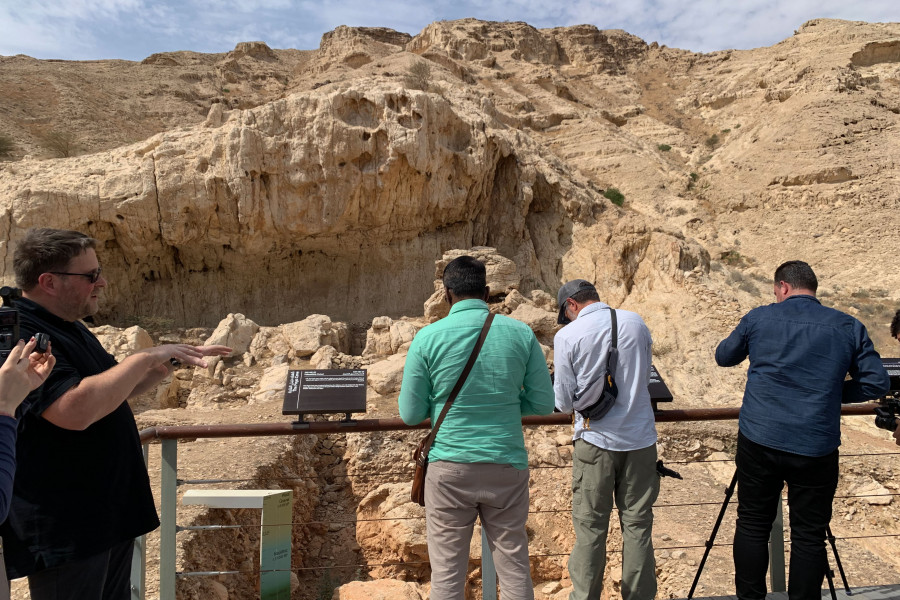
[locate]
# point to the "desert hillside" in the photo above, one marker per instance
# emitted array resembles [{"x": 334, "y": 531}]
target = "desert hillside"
[{"x": 312, "y": 197}]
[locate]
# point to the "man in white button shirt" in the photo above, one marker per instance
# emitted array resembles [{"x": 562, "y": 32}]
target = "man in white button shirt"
[{"x": 614, "y": 458}]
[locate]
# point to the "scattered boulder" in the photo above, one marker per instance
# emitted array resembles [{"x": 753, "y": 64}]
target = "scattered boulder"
[
  {"x": 543, "y": 300},
  {"x": 400, "y": 536},
  {"x": 235, "y": 331},
  {"x": 271, "y": 384},
  {"x": 501, "y": 273},
  {"x": 380, "y": 589},
  {"x": 121, "y": 343},
  {"x": 542, "y": 322},
  {"x": 513, "y": 300},
  {"x": 386, "y": 375},
  {"x": 324, "y": 358},
  {"x": 387, "y": 336},
  {"x": 873, "y": 493},
  {"x": 313, "y": 332},
  {"x": 436, "y": 306}
]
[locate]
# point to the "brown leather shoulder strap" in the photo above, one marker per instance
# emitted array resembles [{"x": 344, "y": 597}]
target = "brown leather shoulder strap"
[{"x": 460, "y": 381}]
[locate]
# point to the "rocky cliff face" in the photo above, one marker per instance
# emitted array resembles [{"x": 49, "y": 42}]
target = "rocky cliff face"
[
  {"x": 285, "y": 183},
  {"x": 331, "y": 202}
]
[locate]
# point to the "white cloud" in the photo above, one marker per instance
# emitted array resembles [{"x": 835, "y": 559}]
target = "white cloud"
[{"x": 133, "y": 29}]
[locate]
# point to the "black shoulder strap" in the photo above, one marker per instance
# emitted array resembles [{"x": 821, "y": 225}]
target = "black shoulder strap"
[
  {"x": 612, "y": 360},
  {"x": 615, "y": 329}
]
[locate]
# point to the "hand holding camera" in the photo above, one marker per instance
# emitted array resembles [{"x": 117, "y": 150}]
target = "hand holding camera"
[{"x": 25, "y": 369}]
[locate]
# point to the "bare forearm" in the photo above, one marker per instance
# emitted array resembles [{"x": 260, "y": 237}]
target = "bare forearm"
[{"x": 97, "y": 396}]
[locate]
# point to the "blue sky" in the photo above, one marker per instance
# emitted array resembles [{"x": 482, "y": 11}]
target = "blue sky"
[{"x": 134, "y": 29}]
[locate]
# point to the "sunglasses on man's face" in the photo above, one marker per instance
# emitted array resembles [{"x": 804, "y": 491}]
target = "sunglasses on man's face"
[{"x": 92, "y": 276}]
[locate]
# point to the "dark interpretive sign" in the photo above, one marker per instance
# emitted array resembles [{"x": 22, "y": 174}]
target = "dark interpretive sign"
[
  {"x": 324, "y": 391},
  {"x": 659, "y": 392},
  {"x": 892, "y": 366}
]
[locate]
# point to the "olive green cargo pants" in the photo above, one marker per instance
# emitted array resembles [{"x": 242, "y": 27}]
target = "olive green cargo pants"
[{"x": 598, "y": 477}]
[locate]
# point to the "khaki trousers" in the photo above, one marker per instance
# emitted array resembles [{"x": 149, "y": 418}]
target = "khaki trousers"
[
  {"x": 598, "y": 477},
  {"x": 456, "y": 493}
]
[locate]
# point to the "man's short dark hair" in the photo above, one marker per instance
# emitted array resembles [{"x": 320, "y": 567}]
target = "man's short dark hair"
[
  {"x": 465, "y": 277},
  {"x": 895, "y": 324},
  {"x": 43, "y": 250},
  {"x": 586, "y": 295},
  {"x": 797, "y": 273}
]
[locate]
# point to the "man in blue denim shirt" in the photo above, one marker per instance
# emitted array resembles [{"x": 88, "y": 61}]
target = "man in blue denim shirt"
[{"x": 789, "y": 430}]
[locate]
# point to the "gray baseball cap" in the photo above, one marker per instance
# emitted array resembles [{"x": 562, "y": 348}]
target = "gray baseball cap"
[{"x": 568, "y": 290}]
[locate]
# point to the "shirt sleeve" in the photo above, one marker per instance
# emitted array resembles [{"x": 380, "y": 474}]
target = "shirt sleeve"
[
  {"x": 62, "y": 378},
  {"x": 868, "y": 377},
  {"x": 536, "y": 396},
  {"x": 414, "y": 401},
  {"x": 564, "y": 382},
  {"x": 734, "y": 349}
]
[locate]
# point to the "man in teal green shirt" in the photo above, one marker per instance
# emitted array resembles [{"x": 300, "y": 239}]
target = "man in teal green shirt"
[{"x": 478, "y": 464}]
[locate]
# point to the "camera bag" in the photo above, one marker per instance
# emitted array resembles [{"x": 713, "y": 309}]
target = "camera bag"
[{"x": 599, "y": 396}]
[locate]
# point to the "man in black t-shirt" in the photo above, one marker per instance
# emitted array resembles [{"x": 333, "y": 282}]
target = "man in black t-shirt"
[{"x": 81, "y": 492}]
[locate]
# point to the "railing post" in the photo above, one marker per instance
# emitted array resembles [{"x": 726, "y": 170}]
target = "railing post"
[
  {"x": 139, "y": 555},
  {"x": 776, "y": 551},
  {"x": 168, "y": 503},
  {"x": 488, "y": 570}
]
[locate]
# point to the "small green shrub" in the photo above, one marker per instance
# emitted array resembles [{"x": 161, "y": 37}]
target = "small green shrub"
[
  {"x": 615, "y": 196},
  {"x": 712, "y": 141},
  {"x": 418, "y": 75},
  {"x": 749, "y": 287},
  {"x": 662, "y": 348},
  {"x": 60, "y": 142},
  {"x": 694, "y": 177},
  {"x": 732, "y": 258},
  {"x": 664, "y": 147},
  {"x": 6, "y": 145},
  {"x": 726, "y": 131}
]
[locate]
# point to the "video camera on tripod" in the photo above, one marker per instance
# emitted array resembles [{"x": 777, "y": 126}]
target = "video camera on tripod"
[
  {"x": 888, "y": 408},
  {"x": 9, "y": 324}
]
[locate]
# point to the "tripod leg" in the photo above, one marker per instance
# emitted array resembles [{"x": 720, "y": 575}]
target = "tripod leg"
[
  {"x": 709, "y": 543},
  {"x": 829, "y": 575},
  {"x": 837, "y": 559}
]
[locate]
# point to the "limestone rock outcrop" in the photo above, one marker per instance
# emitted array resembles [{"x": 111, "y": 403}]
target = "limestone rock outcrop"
[
  {"x": 307, "y": 336},
  {"x": 398, "y": 535},
  {"x": 387, "y": 336},
  {"x": 121, "y": 343},
  {"x": 380, "y": 589},
  {"x": 304, "y": 204}
]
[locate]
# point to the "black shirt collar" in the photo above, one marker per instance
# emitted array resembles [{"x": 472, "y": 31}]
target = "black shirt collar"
[{"x": 39, "y": 312}]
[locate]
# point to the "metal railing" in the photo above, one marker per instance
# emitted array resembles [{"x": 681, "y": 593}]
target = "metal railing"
[{"x": 168, "y": 437}]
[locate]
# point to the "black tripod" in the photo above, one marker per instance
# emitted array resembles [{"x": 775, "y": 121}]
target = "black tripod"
[{"x": 829, "y": 572}]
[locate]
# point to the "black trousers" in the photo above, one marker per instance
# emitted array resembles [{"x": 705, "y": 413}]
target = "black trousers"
[
  {"x": 104, "y": 576},
  {"x": 812, "y": 481}
]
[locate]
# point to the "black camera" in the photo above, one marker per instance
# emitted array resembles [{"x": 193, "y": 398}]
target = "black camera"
[
  {"x": 888, "y": 408},
  {"x": 9, "y": 324},
  {"x": 9, "y": 321},
  {"x": 886, "y": 413}
]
